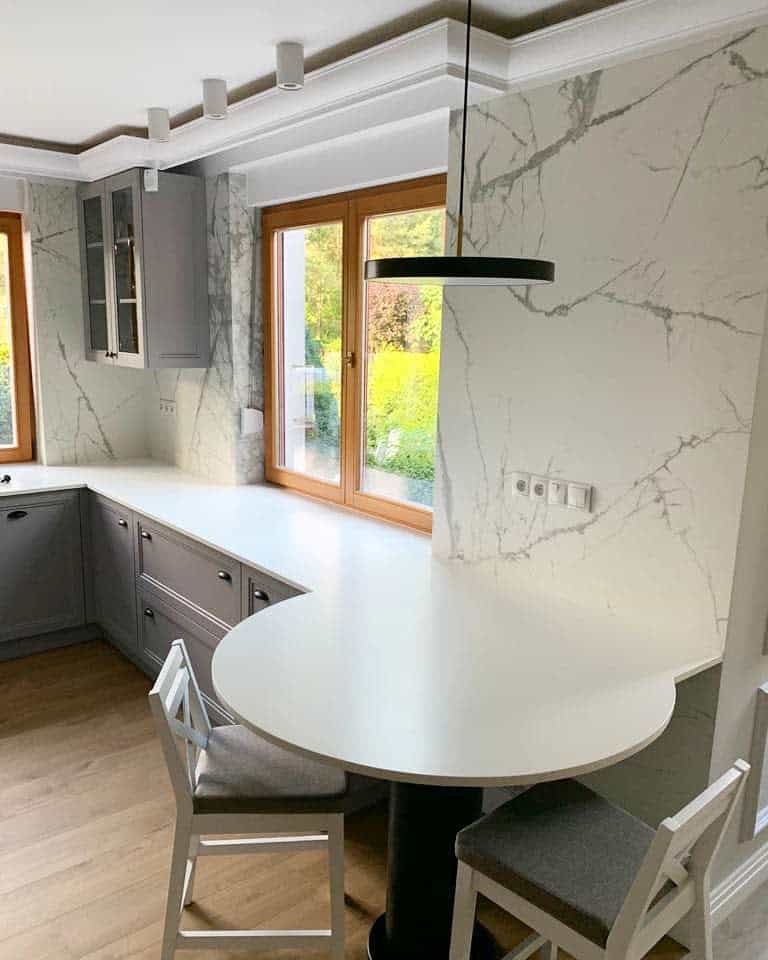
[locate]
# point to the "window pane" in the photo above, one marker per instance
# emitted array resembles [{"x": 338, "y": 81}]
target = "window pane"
[
  {"x": 402, "y": 329},
  {"x": 310, "y": 324},
  {"x": 7, "y": 418}
]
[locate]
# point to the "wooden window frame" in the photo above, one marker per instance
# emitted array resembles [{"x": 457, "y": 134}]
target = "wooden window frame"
[
  {"x": 351, "y": 209},
  {"x": 23, "y": 398}
]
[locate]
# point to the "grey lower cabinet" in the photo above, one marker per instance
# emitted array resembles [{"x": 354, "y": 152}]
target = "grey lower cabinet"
[
  {"x": 206, "y": 580},
  {"x": 260, "y": 591},
  {"x": 144, "y": 271},
  {"x": 41, "y": 565},
  {"x": 161, "y": 621},
  {"x": 113, "y": 605}
]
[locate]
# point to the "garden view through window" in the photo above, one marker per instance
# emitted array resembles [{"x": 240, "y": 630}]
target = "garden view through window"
[
  {"x": 7, "y": 418},
  {"x": 15, "y": 371},
  {"x": 354, "y": 366}
]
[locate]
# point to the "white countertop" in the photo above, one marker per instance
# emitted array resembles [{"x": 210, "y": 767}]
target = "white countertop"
[{"x": 398, "y": 664}]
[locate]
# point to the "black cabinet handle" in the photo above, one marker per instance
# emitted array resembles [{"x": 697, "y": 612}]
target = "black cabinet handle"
[
  {"x": 224, "y": 575},
  {"x": 149, "y": 612},
  {"x": 260, "y": 595},
  {"x": 146, "y": 535},
  {"x": 122, "y": 523},
  {"x": 6, "y": 478},
  {"x": 17, "y": 514}
]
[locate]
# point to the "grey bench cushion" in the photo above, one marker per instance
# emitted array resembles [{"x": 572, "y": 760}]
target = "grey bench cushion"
[
  {"x": 241, "y": 772},
  {"x": 564, "y": 849}
]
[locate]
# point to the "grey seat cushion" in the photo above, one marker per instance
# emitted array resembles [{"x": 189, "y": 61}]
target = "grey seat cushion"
[
  {"x": 563, "y": 848},
  {"x": 239, "y": 772}
]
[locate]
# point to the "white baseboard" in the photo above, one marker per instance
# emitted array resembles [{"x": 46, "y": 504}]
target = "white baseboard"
[{"x": 734, "y": 890}]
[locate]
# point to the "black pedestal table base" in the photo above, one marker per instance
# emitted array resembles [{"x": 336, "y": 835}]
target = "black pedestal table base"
[{"x": 421, "y": 875}]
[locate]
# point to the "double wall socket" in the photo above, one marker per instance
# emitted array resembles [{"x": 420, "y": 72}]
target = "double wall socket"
[
  {"x": 553, "y": 490},
  {"x": 168, "y": 408}
]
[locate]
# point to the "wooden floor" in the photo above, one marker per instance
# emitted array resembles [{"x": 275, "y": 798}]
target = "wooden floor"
[{"x": 85, "y": 824}]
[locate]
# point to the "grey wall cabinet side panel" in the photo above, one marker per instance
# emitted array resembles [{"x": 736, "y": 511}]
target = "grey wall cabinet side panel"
[
  {"x": 175, "y": 273},
  {"x": 204, "y": 578},
  {"x": 160, "y": 623},
  {"x": 41, "y": 565},
  {"x": 113, "y": 573}
]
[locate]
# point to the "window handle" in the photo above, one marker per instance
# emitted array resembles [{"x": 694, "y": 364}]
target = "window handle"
[{"x": 349, "y": 358}]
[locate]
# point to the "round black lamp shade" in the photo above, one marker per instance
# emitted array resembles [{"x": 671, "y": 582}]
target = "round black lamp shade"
[{"x": 461, "y": 271}]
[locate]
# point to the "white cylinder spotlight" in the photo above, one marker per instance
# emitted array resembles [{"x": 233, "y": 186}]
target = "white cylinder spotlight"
[
  {"x": 214, "y": 98},
  {"x": 159, "y": 124},
  {"x": 290, "y": 66}
]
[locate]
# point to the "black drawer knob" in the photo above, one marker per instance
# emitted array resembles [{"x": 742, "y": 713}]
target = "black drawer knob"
[
  {"x": 149, "y": 612},
  {"x": 122, "y": 523},
  {"x": 224, "y": 575},
  {"x": 261, "y": 595},
  {"x": 17, "y": 514},
  {"x": 146, "y": 535}
]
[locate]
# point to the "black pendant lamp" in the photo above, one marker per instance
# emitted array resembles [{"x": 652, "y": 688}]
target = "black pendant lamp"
[{"x": 459, "y": 270}]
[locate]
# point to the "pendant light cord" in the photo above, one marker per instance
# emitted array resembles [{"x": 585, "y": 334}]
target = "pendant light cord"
[{"x": 460, "y": 221}]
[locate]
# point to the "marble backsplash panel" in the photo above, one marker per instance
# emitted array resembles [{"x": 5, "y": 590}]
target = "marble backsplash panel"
[
  {"x": 635, "y": 371},
  {"x": 85, "y": 412}
]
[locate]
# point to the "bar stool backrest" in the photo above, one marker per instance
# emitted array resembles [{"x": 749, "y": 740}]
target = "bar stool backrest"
[
  {"x": 674, "y": 877},
  {"x": 181, "y": 720}
]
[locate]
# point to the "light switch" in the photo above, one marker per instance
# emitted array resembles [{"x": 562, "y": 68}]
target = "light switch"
[
  {"x": 539, "y": 488},
  {"x": 579, "y": 496},
  {"x": 521, "y": 483},
  {"x": 556, "y": 493}
]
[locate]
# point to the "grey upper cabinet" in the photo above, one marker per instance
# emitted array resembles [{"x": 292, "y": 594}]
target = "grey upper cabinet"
[
  {"x": 144, "y": 271},
  {"x": 112, "y": 570},
  {"x": 41, "y": 565}
]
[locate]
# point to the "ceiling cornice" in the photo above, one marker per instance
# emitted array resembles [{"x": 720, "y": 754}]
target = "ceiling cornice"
[{"x": 411, "y": 75}]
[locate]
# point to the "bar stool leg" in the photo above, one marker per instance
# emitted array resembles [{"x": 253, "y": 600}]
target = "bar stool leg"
[
  {"x": 464, "y": 908},
  {"x": 174, "y": 904},
  {"x": 336, "y": 869}
]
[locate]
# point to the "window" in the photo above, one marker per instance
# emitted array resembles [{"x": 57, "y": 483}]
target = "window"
[
  {"x": 352, "y": 368},
  {"x": 16, "y": 417}
]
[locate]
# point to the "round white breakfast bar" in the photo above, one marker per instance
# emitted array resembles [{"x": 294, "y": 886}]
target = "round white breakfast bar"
[{"x": 443, "y": 684}]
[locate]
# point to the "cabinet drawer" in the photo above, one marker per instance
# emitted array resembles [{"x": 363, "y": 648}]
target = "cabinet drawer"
[
  {"x": 160, "y": 623},
  {"x": 260, "y": 591},
  {"x": 206, "y": 579}
]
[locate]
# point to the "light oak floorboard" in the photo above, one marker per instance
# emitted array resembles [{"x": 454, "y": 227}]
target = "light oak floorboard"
[{"x": 86, "y": 815}]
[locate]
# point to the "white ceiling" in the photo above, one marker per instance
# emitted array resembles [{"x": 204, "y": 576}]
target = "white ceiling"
[{"x": 72, "y": 71}]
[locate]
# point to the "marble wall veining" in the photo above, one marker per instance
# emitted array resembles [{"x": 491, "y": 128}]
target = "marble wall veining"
[
  {"x": 85, "y": 412},
  {"x": 636, "y": 370},
  {"x": 204, "y": 437}
]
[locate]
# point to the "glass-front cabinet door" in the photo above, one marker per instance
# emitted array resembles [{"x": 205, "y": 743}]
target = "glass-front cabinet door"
[
  {"x": 98, "y": 312},
  {"x": 123, "y": 208}
]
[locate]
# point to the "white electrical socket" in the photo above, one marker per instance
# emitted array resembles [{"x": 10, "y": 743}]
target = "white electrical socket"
[
  {"x": 168, "y": 408},
  {"x": 521, "y": 482},
  {"x": 539, "y": 488}
]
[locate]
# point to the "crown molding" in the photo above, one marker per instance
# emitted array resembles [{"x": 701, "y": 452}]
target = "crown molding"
[{"x": 413, "y": 75}]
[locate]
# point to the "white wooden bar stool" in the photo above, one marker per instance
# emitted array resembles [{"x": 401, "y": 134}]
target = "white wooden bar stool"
[
  {"x": 234, "y": 782},
  {"x": 590, "y": 878}
]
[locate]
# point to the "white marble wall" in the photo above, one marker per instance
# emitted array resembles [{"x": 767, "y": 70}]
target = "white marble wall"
[
  {"x": 635, "y": 371},
  {"x": 204, "y": 437},
  {"x": 85, "y": 412}
]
